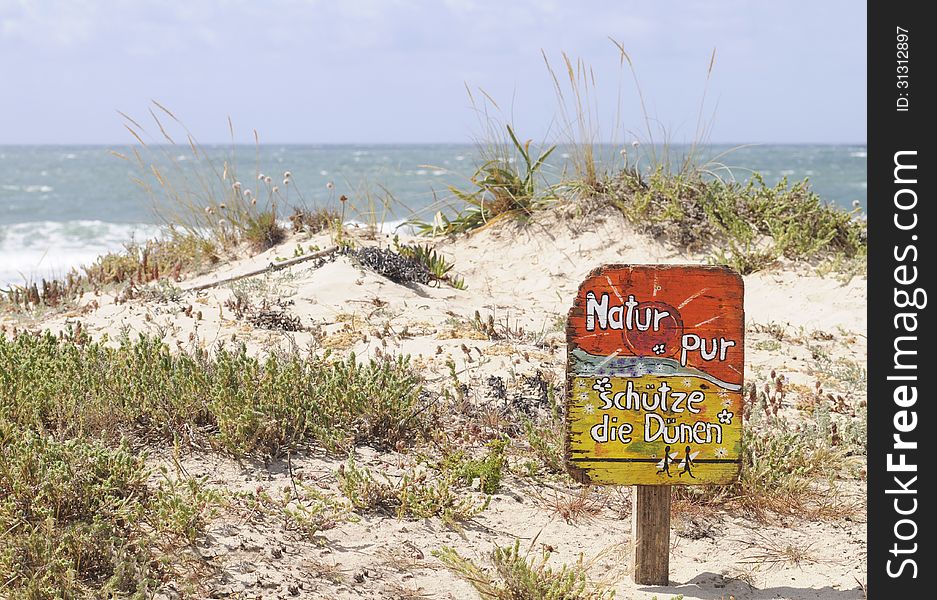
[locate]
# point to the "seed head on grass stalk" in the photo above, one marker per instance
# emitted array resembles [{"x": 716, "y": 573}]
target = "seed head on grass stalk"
[{"x": 190, "y": 190}]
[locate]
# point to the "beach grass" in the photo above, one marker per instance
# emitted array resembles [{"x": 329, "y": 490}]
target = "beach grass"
[
  {"x": 688, "y": 200},
  {"x": 747, "y": 226},
  {"x": 414, "y": 495},
  {"x": 788, "y": 469},
  {"x": 505, "y": 185}
]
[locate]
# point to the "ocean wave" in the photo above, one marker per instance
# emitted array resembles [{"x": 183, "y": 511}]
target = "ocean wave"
[
  {"x": 859, "y": 154},
  {"x": 388, "y": 227},
  {"x": 29, "y": 189},
  {"x": 43, "y": 249}
]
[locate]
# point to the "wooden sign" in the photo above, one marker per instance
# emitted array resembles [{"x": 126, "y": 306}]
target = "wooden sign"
[{"x": 654, "y": 374}]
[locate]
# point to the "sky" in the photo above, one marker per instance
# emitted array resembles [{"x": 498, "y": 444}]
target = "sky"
[{"x": 396, "y": 71}]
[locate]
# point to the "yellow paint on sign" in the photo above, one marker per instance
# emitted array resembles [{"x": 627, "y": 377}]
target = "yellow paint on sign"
[{"x": 619, "y": 421}]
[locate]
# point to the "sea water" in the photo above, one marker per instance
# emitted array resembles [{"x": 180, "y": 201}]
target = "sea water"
[{"x": 61, "y": 206}]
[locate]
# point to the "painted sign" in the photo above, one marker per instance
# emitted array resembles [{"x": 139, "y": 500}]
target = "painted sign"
[{"x": 654, "y": 376}]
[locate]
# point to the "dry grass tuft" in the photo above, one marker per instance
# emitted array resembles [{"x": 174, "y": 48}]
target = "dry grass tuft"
[{"x": 580, "y": 507}]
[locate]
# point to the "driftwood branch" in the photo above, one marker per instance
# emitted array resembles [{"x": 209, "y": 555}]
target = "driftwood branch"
[{"x": 269, "y": 268}]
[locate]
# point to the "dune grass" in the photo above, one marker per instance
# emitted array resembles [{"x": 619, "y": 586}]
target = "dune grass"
[
  {"x": 683, "y": 199},
  {"x": 199, "y": 195},
  {"x": 746, "y": 226},
  {"x": 505, "y": 185},
  {"x": 414, "y": 495},
  {"x": 167, "y": 258}
]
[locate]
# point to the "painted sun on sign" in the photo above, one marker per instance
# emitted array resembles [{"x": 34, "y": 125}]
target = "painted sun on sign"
[{"x": 654, "y": 373}]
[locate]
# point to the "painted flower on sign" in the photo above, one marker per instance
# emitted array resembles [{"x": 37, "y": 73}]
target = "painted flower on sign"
[
  {"x": 725, "y": 417},
  {"x": 602, "y": 384}
]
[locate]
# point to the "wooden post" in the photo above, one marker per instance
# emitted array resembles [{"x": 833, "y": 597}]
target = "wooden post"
[
  {"x": 650, "y": 531},
  {"x": 644, "y": 344}
]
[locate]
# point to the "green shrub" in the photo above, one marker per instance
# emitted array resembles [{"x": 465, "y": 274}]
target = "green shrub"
[
  {"x": 248, "y": 406},
  {"x": 745, "y": 225},
  {"x": 261, "y": 230},
  {"x": 436, "y": 264},
  {"x": 77, "y": 519},
  {"x": 487, "y": 470}
]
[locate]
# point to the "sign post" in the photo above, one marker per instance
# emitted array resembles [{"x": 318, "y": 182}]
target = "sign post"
[{"x": 654, "y": 379}]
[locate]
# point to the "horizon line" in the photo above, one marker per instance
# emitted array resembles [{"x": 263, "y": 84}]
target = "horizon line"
[{"x": 229, "y": 143}]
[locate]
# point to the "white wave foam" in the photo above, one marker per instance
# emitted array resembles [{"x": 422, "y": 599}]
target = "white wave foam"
[
  {"x": 29, "y": 189},
  {"x": 388, "y": 227},
  {"x": 859, "y": 154},
  {"x": 33, "y": 250}
]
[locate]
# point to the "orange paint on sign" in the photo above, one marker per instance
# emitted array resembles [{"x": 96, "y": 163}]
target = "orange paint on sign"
[{"x": 655, "y": 364}]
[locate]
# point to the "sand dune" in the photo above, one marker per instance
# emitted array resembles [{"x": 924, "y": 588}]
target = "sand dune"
[{"x": 523, "y": 277}]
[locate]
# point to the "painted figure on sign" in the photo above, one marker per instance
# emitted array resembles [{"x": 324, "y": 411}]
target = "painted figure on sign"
[
  {"x": 663, "y": 466},
  {"x": 687, "y": 461}
]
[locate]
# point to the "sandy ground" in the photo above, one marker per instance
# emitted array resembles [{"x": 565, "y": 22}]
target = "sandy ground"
[{"x": 524, "y": 277}]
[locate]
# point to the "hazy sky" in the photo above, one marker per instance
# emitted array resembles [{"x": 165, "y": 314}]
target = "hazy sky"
[{"x": 394, "y": 70}]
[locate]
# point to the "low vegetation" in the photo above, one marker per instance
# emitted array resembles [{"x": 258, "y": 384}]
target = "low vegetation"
[
  {"x": 512, "y": 576},
  {"x": 164, "y": 259},
  {"x": 79, "y": 519},
  {"x": 238, "y": 403},
  {"x": 413, "y": 495},
  {"x": 747, "y": 226},
  {"x": 787, "y": 469},
  {"x": 506, "y": 185},
  {"x": 435, "y": 263},
  {"x": 314, "y": 221},
  {"x": 486, "y": 471}
]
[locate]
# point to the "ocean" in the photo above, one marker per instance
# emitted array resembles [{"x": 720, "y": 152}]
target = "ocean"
[{"x": 62, "y": 206}]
